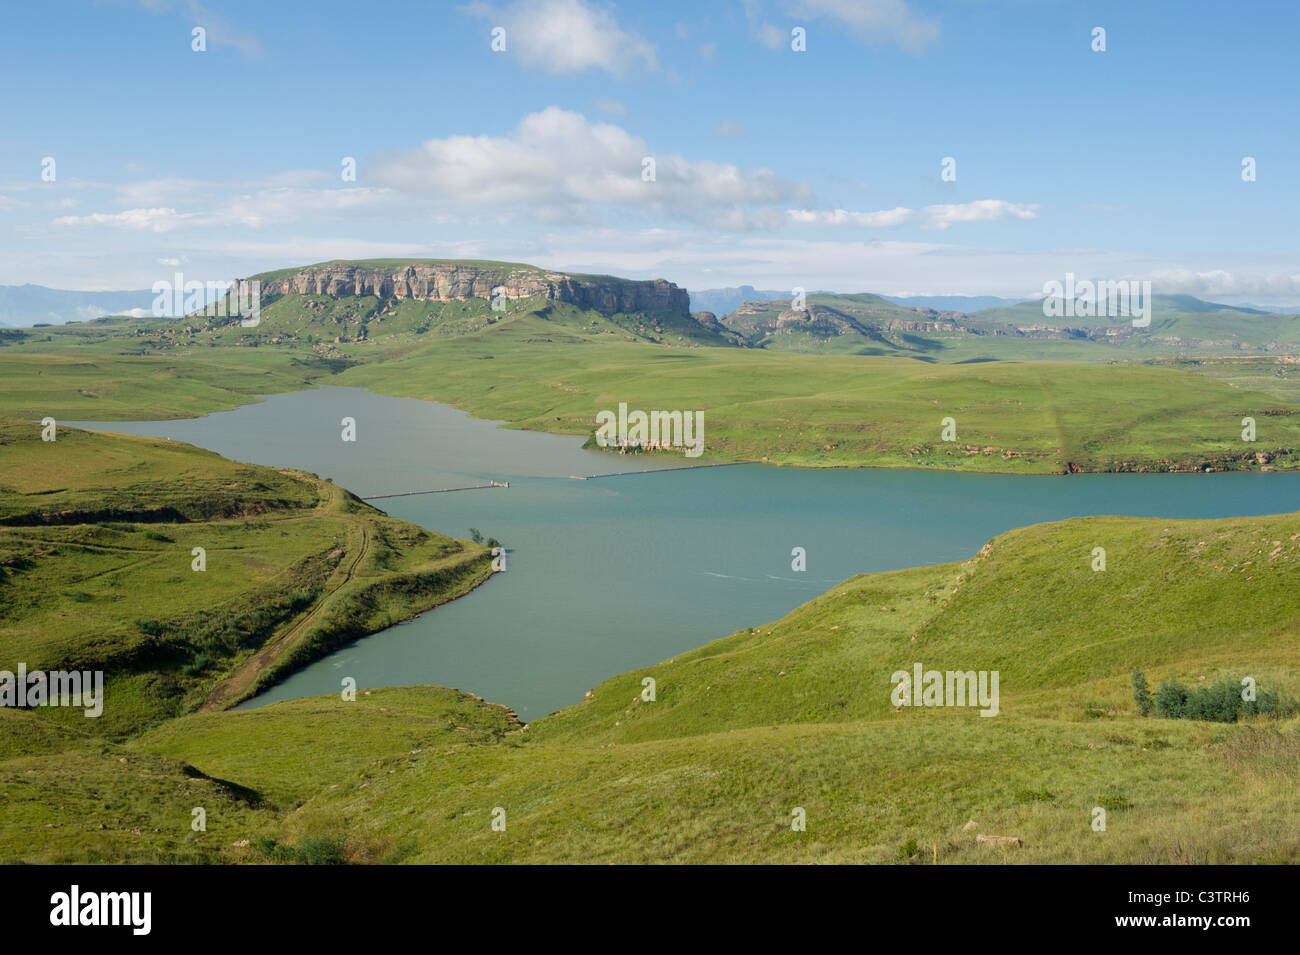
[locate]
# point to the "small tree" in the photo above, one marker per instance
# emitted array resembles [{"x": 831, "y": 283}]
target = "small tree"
[
  {"x": 1141, "y": 693},
  {"x": 475, "y": 536},
  {"x": 1171, "y": 699}
]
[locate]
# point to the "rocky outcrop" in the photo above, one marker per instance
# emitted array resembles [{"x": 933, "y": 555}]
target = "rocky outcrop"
[{"x": 458, "y": 281}]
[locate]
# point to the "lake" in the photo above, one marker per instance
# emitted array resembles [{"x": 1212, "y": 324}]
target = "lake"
[{"x": 620, "y": 572}]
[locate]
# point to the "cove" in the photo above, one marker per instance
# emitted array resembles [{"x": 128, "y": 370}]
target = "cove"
[{"x": 615, "y": 573}]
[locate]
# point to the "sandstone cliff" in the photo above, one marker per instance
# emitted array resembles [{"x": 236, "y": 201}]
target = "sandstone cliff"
[{"x": 457, "y": 281}]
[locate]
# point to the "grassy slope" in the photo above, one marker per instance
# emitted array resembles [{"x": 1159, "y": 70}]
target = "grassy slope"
[
  {"x": 553, "y": 369},
  {"x": 101, "y": 528},
  {"x": 797, "y": 713},
  {"x": 847, "y": 411},
  {"x": 66, "y": 796},
  {"x": 105, "y": 377}
]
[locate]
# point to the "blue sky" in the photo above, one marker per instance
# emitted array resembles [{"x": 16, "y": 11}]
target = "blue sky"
[{"x": 818, "y": 168}]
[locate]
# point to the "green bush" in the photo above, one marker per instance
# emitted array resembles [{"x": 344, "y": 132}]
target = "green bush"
[
  {"x": 312, "y": 850},
  {"x": 1218, "y": 703}
]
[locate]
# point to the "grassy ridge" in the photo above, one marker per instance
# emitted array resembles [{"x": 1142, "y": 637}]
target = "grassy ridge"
[
  {"x": 798, "y": 714},
  {"x": 109, "y": 377},
  {"x": 852, "y": 411},
  {"x": 97, "y": 569}
]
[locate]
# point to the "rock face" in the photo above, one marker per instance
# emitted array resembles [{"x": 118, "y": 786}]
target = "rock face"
[{"x": 457, "y": 281}]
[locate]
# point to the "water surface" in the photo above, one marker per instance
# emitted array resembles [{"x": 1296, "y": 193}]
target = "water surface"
[{"x": 615, "y": 573}]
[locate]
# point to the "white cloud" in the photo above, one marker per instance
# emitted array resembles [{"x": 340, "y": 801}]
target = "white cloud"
[
  {"x": 567, "y": 37},
  {"x": 885, "y": 219},
  {"x": 611, "y": 106},
  {"x": 875, "y": 21},
  {"x": 557, "y": 164},
  {"x": 220, "y": 31},
  {"x": 256, "y": 210},
  {"x": 931, "y": 217},
  {"x": 981, "y": 210},
  {"x": 162, "y": 219},
  {"x": 1216, "y": 283},
  {"x": 155, "y": 192},
  {"x": 772, "y": 37},
  {"x": 728, "y": 129}
]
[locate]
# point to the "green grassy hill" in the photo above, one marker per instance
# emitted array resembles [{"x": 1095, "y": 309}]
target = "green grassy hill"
[
  {"x": 862, "y": 324},
  {"x": 797, "y": 713},
  {"x": 97, "y": 539},
  {"x": 1179, "y": 324}
]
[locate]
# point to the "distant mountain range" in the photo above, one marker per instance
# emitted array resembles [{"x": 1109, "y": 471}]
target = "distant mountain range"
[
  {"x": 721, "y": 301},
  {"x": 26, "y": 305},
  {"x": 866, "y": 324},
  {"x": 952, "y": 303}
]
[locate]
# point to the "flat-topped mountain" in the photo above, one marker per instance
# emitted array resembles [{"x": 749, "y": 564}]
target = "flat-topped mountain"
[
  {"x": 458, "y": 280},
  {"x": 369, "y": 300}
]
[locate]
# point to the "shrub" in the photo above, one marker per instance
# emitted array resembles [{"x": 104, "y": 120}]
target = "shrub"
[
  {"x": 1170, "y": 699},
  {"x": 1218, "y": 703},
  {"x": 312, "y": 850},
  {"x": 1033, "y": 795},
  {"x": 1113, "y": 800},
  {"x": 1141, "y": 693}
]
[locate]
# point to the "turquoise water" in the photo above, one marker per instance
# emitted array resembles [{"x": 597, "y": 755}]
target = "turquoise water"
[{"x": 615, "y": 573}]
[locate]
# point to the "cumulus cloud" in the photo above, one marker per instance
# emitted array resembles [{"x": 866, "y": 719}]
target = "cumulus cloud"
[
  {"x": 557, "y": 164},
  {"x": 567, "y": 37}
]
